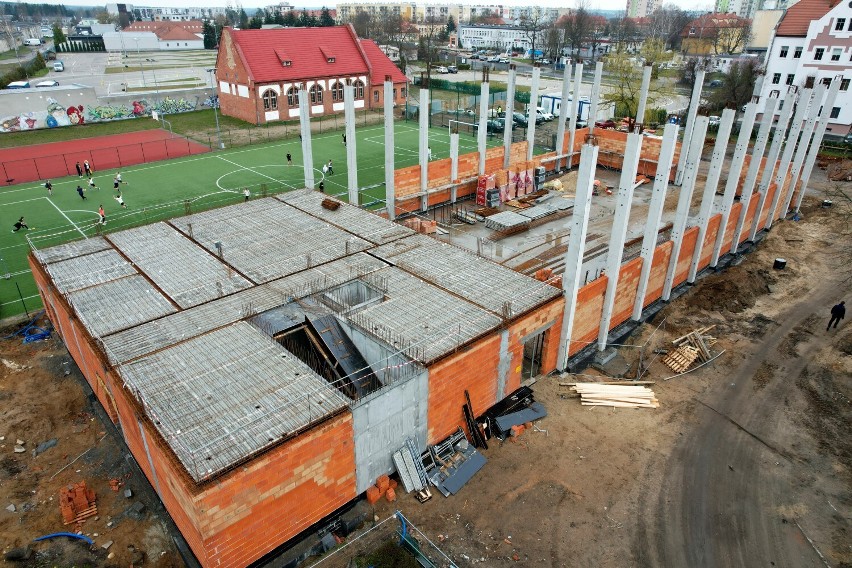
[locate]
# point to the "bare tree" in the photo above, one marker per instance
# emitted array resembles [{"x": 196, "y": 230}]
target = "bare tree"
[
  {"x": 624, "y": 92},
  {"x": 533, "y": 22},
  {"x": 737, "y": 85},
  {"x": 577, "y": 26},
  {"x": 731, "y": 36},
  {"x": 622, "y": 33},
  {"x": 667, "y": 23}
]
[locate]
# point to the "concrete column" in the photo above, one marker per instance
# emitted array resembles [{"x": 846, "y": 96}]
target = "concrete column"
[
  {"x": 454, "y": 164},
  {"x": 789, "y": 147},
  {"x": 424, "y": 148},
  {"x": 351, "y": 155},
  {"x": 754, "y": 167},
  {"x": 690, "y": 124},
  {"x": 305, "y": 131},
  {"x": 810, "y": 160},
  {"x": 623, "y": 201},
  {"x": 390, "y": 189},
  {"x": 655, "y": 213},
  {"x": 643, "y": 94},
  {"x": 596, "y": 96},
  {"x": 575, "y": 110},
  {"x": 707, "y": 198},
  {"x": 482, "y": 134},
  {"x": 576, "y": 247},
  {"x": 804, "y": 142},
  {"x": 690, "y": 173},
  {"x": 734, "y": 171},
  {"x": 563, "y": 115},
  {"x": 510, "y": 108},
  {"x": 772, "y": 158},
  {"x": 531, "y": 113}
]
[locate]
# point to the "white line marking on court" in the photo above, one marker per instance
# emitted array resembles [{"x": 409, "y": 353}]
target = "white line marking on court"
[
  {"x": 250, "y": 170},
  {"x": 61, "y": 212},
  {"x": 18, "y": 300}
]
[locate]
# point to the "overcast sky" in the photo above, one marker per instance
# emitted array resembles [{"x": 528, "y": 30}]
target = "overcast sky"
[{"x": 698, "y": 5}]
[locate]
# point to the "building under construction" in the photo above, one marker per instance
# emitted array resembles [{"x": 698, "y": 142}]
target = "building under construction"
[{"x": 265, "y": 360}]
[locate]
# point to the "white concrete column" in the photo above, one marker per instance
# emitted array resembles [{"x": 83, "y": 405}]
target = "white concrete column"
[
  {"x": 690, "y": 124},
  {"x": 789, "y": 147},
  {"x": 424, "y": 148},
  {"x": 575, "y": 111},
  {"x": 818, "y": 134},
  {"x": 734, "y": 171},
  {"x": 531, "y": 113},
  {"x": 623, "y": 202},
  {"x": 655, "y": 213},
  {"x": 351, "y": 155},
  {"x": 305, "y": 132},
  {"x": 754, "y": 167},
  {"x": 709, "y": 195},
  {"x": 596, "y": 96},
  {"x": 772, "y": 158},
  {"x": 454, "y": 165},
  {"x": 563, "y": 115},
  {"x": 643, "y": 94},
  {"x": 690, "y": 173},
  {"x": 804, "y": 143},
  {"x": 390, "y": 189},
  {"x": 576, "y": 247},
  {"x": 482, "y": 134},
  {"x": 510, "y": 108}
]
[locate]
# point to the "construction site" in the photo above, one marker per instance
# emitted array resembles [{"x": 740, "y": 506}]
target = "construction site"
[{"x": 273, "y": 364}]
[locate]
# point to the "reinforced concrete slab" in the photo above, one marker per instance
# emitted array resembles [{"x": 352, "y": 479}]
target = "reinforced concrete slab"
[
  {"x": 89, "y": 270},
  {"x": 226, "y": 395},
  {"x": 72, "y": 249}
]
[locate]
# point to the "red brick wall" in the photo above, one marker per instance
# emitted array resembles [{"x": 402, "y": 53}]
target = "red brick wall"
[
  {"x": 475, "y": 369},
  {"x": 625, "y": 292},
  {"x": 749, "y": 218},
  {"x": 690, "y": 236},
  {"x": 587, "y": 319},
  {"x": 657, "y": 277},
  {"x": 731, "y": 227},
  {"x": 709, "y": 241},
  {"x": 770, "y": 194}
]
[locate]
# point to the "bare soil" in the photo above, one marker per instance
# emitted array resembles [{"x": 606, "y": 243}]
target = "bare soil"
[{"x": 747, "y": 462}]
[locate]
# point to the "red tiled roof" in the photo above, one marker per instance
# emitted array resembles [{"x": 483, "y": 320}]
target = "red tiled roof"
[
  {"x": 707, "y": 25},
  {"x": 165, "y": 26},
  {"x": 381, "y": 64},
  {"x": 302, "y": 47},
  {"x": 797, "y": 18},
  {"x": 177, "y": 34}
]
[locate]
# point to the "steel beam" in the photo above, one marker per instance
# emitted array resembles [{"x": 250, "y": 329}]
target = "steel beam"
[
  {"x": 723, "y": 135},
  {"x": 482, "y": 134},
  {"x": 623, "y": 202},
  {"x": 424, "y": 149},
  {"x": 531, "y": 111},
  {"x": 563, "y": 116},
  {"x": 305, "y": 134},
  {"x": 576, "y": 247},
  {"x": 510, "y": 109},
  {"x": 390, "y": 190},
  {"x": 655, "y": 213},
  {"x": 690, "y": 173},
  {"x": 818, "y": 134},
  {"x": 575, "y": 110},
  {"x": 690, "y": 124},
  {"x": 804, "y": 143}
]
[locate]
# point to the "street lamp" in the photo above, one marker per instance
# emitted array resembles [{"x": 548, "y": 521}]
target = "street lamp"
[
  {"x": 215, "y": 104},
  {"x": 136, "y": 39}
]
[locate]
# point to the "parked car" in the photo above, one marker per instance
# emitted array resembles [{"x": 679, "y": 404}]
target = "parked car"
[
  {"x": 494, "y": 59},
  {"x": 504, "y": 60},
  {"x": 714, "y": 120},
  {"x": 32, "y": 41},
  {"x": 519, "y": 119},
  {"x": 47, "y": 84},
  {"x": 538, "y": 117},
  {"x": 715, "y": 83},
  {"x": 605, "y": 124},
  {"x": 18, "y": 85},
  {"x": 545, "y": 61},
  {"x": 441, "y": 69},
  {"x": 452, "y": 69},
  {"x": 544, "y": 114},
  {"x": 58, "y": 66}
]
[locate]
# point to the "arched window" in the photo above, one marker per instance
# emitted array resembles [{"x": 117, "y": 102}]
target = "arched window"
[
  {"x": 270, "y": 100},
  {"x": 292, "y": 97},
  {"x": 316, "y": 94},
  {"x": 359, "y": 89},
  {"x": 337, "y": 92}
]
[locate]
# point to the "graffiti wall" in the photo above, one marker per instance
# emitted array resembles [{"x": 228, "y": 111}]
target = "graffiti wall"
[{"x": 30, "y": 109}]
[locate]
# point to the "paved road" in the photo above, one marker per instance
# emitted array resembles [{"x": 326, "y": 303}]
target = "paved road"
[{"x": 722, "y": 498}]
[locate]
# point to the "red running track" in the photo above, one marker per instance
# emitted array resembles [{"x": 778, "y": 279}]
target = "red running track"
[{"x": 58, "y": 159}]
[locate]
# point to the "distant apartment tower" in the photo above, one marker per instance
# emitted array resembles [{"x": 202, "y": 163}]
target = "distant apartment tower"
[
  {"x": 747, "y": 8},
  {"x": 641, "y": 8},
  {"x": 158, "y": 13}
]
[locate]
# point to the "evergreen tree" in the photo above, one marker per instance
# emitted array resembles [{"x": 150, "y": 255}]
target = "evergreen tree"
[
  {"x": 288, "y": 19},
  {"x": 244, "y": 20},
  {"x": 58, "y": 36},
  {"x": 256, "y": 21},
  {"x": 451, "y": 25},
  {"x": 325, "y": 18},
  {"x": 209, "y": 35}
]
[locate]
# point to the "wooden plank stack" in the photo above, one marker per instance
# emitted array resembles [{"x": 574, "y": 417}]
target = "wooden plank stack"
[
  {"x": 622, "y": 396},
  {"x": 694, "y": 346}
]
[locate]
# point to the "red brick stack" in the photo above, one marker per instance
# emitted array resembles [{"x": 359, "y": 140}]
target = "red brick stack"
[{"x": 76, "y": 502}]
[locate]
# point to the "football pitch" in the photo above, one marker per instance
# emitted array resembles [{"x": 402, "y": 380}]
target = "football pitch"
[{"x": 162, "y": 190}]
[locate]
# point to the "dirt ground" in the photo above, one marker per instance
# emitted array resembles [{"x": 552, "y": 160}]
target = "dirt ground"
[{"x": 746, "y": 463}]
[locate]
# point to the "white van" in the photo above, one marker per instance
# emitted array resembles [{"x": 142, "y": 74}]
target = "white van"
[
  {"x": 32, "y": 41},
  {"x": 58, "y": 66}
]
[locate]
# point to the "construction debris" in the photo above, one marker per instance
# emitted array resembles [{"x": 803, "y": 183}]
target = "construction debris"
[
  {"x": 690, "y": 347},
  {"x": 597, "y": 394},
  {"x": 77, "y": 503}
]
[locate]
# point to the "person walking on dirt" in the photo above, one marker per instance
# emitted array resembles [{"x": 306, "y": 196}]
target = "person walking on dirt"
[
  {"x": 49, "y": 187},
  {"x": 102, "y": 214},
  {"x": 289, "y": 159},
  {"x": 120, "y": 200},
  {"x": 838, "y": 312},
  {"x": 80, "y": 191},
  {"x": 20, "y": 224},
  {"x": 87, "y": 168},
  {"x": 79, "y": 169}
]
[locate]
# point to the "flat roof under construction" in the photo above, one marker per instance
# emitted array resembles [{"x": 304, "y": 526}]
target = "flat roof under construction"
[{"x": 171, "y": 305}]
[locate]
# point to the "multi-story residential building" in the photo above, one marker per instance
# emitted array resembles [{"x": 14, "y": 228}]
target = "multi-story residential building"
[
  {"x": 461, "y": 13},
  {"x": 159, "y": 13},
  {"x": 503, "y": 38},
  {"x": 812, "y": 44},
  {"x": 748, "y": 8},
  {"x": 641, "y": 8}
]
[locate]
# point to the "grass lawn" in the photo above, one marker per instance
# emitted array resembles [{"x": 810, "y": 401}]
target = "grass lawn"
[{"x": 162, "y": 190}]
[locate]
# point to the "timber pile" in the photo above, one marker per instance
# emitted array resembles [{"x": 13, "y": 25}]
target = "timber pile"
[
  {"x": 694, "y": 346},
  {"x": 622, "y": 396}
]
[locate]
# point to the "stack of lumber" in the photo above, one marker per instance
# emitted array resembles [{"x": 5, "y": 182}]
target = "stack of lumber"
[
  {"x": 694, "y": 346},
  {"x": 624, "y": 396}
]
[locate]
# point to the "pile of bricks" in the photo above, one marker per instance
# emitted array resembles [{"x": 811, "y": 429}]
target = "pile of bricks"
[
  {"x": 385, "y": 486},
  {"x": 76, "y": 503},
  {"x": 519, "y": 429},
  {"x": 546, "y": 275},
  {"x": 421, "y": 225}
]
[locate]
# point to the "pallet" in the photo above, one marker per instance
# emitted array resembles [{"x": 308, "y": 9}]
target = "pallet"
[
  {"x": 681, "y": 358},
  {"x": 84, "y": 514}
]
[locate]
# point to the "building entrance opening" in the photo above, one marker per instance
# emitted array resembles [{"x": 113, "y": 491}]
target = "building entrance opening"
[{"x": 533, "y": 348}]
